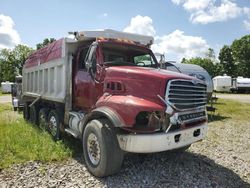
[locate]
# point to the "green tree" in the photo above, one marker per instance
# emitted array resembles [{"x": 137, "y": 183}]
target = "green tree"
[
  {"x": 183, "y": 60},
  {"x": 11, "y": 61},
  {"x": 210, "y": 54},
  {"x": 241, "y": 55},
  {"x": 218, "y": 69},
  {"x": 45, "y": 43},
  {"x": 227, "y": 61}
]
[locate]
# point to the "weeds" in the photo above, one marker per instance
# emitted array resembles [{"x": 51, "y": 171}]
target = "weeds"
[{"x": 21, "y": 141}]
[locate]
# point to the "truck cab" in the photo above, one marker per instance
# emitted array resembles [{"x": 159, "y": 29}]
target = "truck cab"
[{"x": 105, "y": 88}]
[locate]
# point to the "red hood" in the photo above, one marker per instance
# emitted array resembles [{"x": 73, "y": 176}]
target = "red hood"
[
  {"x": 143, "y": 81},
  {"x": 135, "y": 72}
]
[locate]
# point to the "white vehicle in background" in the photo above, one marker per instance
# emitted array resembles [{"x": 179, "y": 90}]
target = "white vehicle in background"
[
  {"x": 6, "y": 87},
  {"x": 16, "y": 93},
  {"x": 240, "y": 84},
  {"x": 222, "y": 83}
]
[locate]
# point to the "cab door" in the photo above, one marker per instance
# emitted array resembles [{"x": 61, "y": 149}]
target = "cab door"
[{"x": 84, "y": 94}]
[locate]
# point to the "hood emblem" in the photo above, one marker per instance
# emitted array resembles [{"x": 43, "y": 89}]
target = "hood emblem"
[{"x": 194, "y": 82}]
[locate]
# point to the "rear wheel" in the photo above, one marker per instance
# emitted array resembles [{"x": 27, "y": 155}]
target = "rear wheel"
[
  {"x": 43, "y": 118},
  {"x": 33, "y": 114},
  {"x": 101, "y": 150},
  {"x": 54, "y": 124},
  {"x": 26, "y": 114}
]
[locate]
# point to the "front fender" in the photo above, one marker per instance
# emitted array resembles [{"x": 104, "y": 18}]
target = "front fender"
[
  {"x": 102, "y": 112},
  {"x": 127, "y": 107},
  {"x": 108, "y": 113}
]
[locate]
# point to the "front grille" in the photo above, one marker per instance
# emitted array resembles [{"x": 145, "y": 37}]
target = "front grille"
[{"x": 186, "y": 94}]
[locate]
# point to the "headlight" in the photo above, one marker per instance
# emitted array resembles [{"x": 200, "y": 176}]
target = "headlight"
[{"x": 152, "y": 121}]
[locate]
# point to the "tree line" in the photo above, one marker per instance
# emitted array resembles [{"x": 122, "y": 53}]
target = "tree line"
[
  {"x": 12, "y": 60},
  {"x": 234, "y": 59}
]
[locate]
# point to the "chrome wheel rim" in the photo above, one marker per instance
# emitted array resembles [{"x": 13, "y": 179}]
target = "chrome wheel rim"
[
  {"x": 53, "y": 125},
  {"x": 93, "y": 149}
]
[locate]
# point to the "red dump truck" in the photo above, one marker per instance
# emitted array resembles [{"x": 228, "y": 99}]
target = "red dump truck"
[{"x": 105, "y": 88}]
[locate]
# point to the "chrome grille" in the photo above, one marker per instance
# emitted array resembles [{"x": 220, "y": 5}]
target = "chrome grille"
[{"x": 186, "y": 94}]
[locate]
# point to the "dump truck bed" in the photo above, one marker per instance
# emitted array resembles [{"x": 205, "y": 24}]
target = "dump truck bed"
[{"x": 45, "y": 72}]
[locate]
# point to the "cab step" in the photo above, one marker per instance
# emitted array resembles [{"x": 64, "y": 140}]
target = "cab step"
[{"x": 72, "y": 132}]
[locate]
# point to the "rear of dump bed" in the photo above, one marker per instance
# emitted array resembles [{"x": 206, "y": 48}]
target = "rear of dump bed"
[{"x": 46, "y": 72}]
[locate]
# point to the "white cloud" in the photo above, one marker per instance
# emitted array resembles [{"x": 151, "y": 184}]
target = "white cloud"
[
  {"x": 247, "y": 24},
  {"x": 196, "y": 5},
  {"x": 206, "y": 11},
  {"x": 227, "y": 10},
  {"x": 105, "y": 14},
  {"x": 176, "y": 44},
  {"x": 246, "y": 11},
  {"x": 9, "y": 37},
  {"x": 141, "y": 25},
  {"x": 179, "y": 45}
]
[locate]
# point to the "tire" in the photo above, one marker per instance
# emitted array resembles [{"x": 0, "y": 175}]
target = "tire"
[
  {"x": 54, "y": 124},
  {"x": 101, "y": 150},
  {"x": 43, "y": 118},
  {"x": 26, "y": 114},
  {"x": 33, "y": 115}
]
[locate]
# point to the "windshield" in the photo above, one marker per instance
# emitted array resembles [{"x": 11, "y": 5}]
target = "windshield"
[{"x": 127, "y": 55}]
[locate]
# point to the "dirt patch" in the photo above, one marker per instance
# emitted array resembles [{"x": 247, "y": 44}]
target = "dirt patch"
[
  {"x": 237, "y": 97},
  {"x": 5, "y": 99}
]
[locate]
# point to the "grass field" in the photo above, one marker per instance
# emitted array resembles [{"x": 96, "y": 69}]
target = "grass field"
[
  {"x": 21, "y": 141},
  {"x": 1, "y": 94}
]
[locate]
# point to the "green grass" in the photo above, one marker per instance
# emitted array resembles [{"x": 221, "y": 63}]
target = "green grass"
[
  {"x": 5, "y": 107},
  {"x": 21, "y": 141},
  {"x": 1, "y": 94},
  {"x": 230, "y": 109}
]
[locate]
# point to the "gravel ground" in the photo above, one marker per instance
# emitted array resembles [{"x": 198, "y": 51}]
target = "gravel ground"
[{"x": 188, "y": 169}]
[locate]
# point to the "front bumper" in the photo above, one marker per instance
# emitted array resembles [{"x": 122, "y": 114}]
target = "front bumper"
[{"x": 150, "y": 143}]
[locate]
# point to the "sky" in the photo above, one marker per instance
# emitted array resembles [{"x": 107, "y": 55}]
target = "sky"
[{"x": 181, "y": 28}]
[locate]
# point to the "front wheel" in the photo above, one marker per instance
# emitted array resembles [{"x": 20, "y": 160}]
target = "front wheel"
[{"x": 101, "y": 150}]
